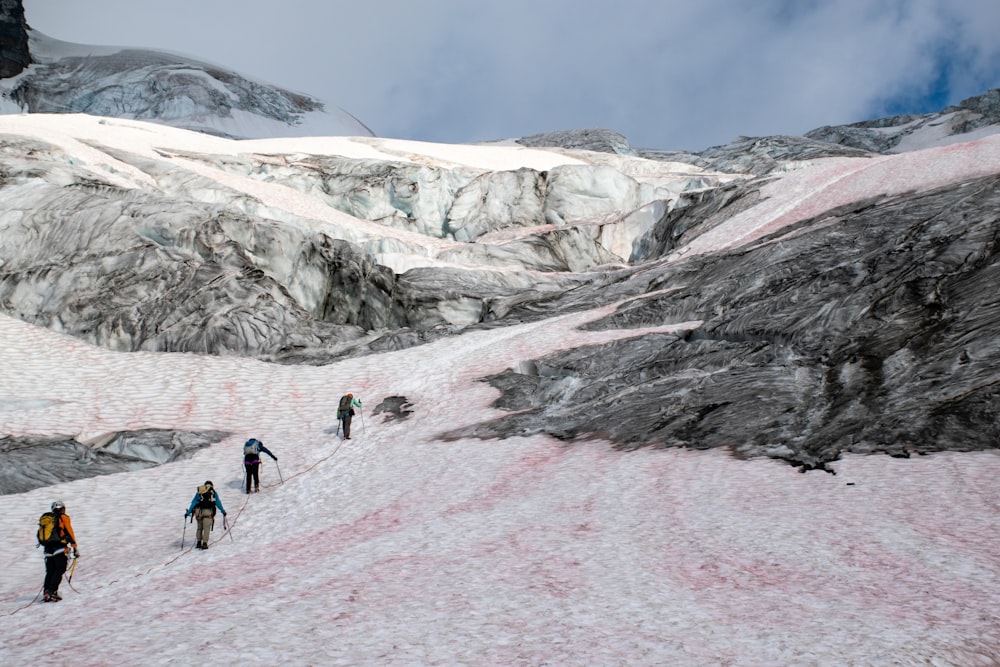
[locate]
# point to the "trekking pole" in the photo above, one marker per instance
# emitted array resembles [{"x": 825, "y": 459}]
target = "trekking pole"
[
  {"x": 184, "y": 534},
  {"x": 363, "y": 429},
  {"x": 225, "y": 525},
  {"x": 281, "y": 479}
]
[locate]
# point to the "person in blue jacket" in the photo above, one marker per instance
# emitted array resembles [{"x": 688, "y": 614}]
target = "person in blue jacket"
[
  {"x": 251, "y": 461},
  {"x": 203, "y": 507}
]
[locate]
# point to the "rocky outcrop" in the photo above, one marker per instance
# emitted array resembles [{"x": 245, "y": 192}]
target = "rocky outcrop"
[
  {"x": 14, "y": 54},
  {"x": 872, "y": 330},
  {"x": 885, "y": 135},
  {"x": 592, "y": 139},
  {"x": 28, "y": 462}
]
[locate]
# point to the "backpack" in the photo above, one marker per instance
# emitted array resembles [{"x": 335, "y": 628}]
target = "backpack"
[
  {"x": 207, "y": 499},
  {"x": 345, "y": 406},
  {"x": 252, "y": 447},
  {"x": 50, "y": 532}
]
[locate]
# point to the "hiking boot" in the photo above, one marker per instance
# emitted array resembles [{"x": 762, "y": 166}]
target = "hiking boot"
[
  {"x": 55, "y": 596},
  {"x": 47, "y": 597},
  {"x": 256, "y": 489}
]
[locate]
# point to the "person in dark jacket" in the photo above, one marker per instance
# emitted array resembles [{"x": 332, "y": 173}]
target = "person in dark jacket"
[
  {"x": 251, "y": 461},
  {"x": 203, "y": 506},
  {"x": 56, "y": 553}
]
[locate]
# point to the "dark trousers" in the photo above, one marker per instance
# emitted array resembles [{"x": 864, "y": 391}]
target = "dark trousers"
[
  {"x": 55, "y": 568},
  {"x": 346, "y": 421},
  {"x": 253, "y": 473}
]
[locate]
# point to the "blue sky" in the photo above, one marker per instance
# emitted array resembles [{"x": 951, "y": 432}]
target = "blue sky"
[{"x": 672, "y": 74}]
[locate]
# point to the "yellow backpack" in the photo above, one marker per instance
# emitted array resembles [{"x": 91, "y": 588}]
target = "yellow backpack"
[{"x": 50, "y": 532}]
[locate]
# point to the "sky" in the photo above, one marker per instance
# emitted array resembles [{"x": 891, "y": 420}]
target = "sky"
[
  {"x": 400, "y": 548},
  {"x": 668, "y": 74}
]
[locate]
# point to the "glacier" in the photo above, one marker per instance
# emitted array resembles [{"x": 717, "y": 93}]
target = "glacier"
[
  {"x": 831, "y": 290},
  {"x": 585, "y": 366}
]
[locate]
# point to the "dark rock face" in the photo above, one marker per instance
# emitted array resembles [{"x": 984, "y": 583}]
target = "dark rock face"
[
  {"x": 874, "y": 334},
  {"x": 28, "y": 463},
  {"x": 986, "y": 106},
  {"x": 14, "y": 55},
  {"x": 694, "y": 214}
]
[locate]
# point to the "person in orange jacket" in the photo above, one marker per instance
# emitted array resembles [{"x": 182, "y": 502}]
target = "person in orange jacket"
[{"x": 57, "y": 551}]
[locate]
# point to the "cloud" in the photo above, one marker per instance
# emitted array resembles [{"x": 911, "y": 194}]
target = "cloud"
[{"x": 667, "y": 73}]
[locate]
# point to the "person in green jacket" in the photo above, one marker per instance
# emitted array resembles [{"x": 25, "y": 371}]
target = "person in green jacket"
[{"x": 345, "y": 412}]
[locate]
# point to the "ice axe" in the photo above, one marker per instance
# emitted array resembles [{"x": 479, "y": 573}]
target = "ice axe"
[{"x": 72, "y": 569}]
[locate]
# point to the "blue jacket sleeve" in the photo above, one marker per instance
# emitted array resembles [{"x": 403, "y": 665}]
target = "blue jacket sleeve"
[
  {"x": 194, "y": 501},
  {"x": 355, "y": 403},
  {"x": 218, "y": 503},
  {"x": 268, "y": 452}
]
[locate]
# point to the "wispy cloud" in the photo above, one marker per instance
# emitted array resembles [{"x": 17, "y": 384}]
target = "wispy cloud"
[{"x": 667, "y": 74}]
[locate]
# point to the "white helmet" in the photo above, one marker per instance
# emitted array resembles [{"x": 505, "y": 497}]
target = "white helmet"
[{"x": 58, "y": 505}]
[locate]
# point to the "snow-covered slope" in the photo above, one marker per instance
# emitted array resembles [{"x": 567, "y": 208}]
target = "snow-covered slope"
[
  {"x": 398, "y": 547},
  {"x": 165, "y": 88},
  {"x": 580, "y": 371}
]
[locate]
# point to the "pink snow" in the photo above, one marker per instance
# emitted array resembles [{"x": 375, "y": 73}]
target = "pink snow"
[
  {"x": 823, "y": 185},
  {"x": 400, "y": 548}
]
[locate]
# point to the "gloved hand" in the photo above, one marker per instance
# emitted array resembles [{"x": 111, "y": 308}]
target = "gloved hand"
[
  {"x": 223, "y": 514},
  {"x": 275, "y": 458},
  {"x": 187, "y": 513},
  {"x": 76, "y": 552}
]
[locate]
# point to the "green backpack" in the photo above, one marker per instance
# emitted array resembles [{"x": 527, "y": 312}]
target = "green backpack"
[{"x": 344, "y": 408}]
